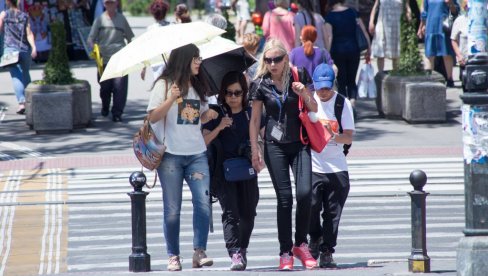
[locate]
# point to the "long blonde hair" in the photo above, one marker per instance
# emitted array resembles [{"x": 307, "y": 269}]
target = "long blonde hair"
[{"x": 274, "y": 44}]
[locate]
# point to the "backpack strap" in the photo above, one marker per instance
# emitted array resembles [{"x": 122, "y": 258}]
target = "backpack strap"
[{"x": 338, "y": 108}]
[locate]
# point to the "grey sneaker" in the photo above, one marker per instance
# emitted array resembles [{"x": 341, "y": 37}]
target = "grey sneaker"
[
  {"x": 326, "y": 260},
  {"x": 313, "y": 247},
  {"x": 236, "y": 262},
  {"x": 174, "y": 263},
  {"x": 200, "y": 259}
]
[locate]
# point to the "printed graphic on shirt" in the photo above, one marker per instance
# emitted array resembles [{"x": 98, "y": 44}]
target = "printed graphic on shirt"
[{"x": 188, "y": 112}]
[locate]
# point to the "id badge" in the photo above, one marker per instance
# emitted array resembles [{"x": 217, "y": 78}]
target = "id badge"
[{"x": 277, "y": 132}]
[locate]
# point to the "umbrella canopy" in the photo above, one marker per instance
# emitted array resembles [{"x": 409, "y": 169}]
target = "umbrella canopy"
[
  {"x": 148, "y": 48},
  {"x": 214, "y": 68}
]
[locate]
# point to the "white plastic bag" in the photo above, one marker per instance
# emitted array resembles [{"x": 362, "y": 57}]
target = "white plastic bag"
[{"x": 366, "y": 84}]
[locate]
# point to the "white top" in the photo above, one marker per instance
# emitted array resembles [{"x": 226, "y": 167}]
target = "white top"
[
  {"x": 459, "y": 33},
  {"x": 182, "y": 135},
  {"x": 332, "y": 159},
  {"x": 242, "y": 10}
]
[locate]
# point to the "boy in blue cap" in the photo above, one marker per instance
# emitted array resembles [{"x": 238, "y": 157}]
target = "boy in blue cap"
[{"x": 330, "y": 177}]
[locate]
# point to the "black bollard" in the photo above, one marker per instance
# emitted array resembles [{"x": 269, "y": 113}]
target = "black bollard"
[
  {"x": 139, "y": 260},
  {"x": 418, "y": 260}
]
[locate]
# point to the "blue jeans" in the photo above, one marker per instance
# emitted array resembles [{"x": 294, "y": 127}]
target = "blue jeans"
[
  {"x": 194, "y": 169},
  {"x": 20, "y": 74}
]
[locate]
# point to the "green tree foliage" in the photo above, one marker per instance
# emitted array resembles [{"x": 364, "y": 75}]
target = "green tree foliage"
[
  {"x": 57, "y": 69},
  {"x": 410, "y": 59}
]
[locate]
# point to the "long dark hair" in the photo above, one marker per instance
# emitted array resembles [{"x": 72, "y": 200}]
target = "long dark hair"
[
  {"x": 307, "y": 8},
  {"x": 178, "y": 70},
  {"x": 229, "y": 79}
]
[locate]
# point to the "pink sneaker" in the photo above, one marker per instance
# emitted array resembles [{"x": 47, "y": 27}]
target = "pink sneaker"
[
  {"x": 286, "y": 261},
  {"x": 303, "y": 254}
]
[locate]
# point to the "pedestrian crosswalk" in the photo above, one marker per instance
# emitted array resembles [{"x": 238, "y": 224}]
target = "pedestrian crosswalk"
[{"x": 375, "y": 226}]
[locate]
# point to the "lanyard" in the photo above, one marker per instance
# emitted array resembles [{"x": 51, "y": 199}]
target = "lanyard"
[{"x": 278, "y": 101}]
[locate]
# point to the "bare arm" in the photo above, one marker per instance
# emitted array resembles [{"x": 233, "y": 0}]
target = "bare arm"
[
  {"x": 328, "y": 36},
  {"x": 300, "y": 89},
  {"x": 459, "y": 55},
  {"x": 30, "y": 39},
  {"x": 374, "y": 10},
  {"x": 254, "y": 124},
  {"x": 345, "y": 137},
  {"x": 2, "y": 17}
]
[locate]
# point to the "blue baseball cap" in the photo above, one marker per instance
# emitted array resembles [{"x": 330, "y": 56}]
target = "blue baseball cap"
[{"x": 323, "y": 76}]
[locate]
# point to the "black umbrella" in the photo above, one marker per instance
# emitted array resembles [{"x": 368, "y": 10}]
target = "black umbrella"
[{"x": 215, "y": 68}]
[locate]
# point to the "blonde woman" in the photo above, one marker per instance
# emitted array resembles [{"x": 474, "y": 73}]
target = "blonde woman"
[{"x": 274, "y": 88}]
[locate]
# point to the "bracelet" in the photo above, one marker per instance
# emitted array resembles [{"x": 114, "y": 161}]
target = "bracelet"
[{"x": 309, "y": 100}]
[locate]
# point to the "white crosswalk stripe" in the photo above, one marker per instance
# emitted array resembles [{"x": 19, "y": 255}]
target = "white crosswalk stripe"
[{"x": 375, "y": 223}]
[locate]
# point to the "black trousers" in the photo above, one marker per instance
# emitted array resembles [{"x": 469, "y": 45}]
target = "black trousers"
[
  {"x": 238, "y": 201},
  {"x": 347, "y": 66},
  {"x": 117, "y": 87},
  {"x": 279, "y": 158},
  {"x": 330, "y": 192}
]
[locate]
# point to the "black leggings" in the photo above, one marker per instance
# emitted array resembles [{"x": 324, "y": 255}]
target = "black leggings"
[
  {"x": 238, "y": 201},
  {"x": 279, "y": 158},
  {"x": 348, "y": 65}
]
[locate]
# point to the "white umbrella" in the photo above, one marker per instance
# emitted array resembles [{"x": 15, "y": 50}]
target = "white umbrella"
[{"x": 148, "y": 48}]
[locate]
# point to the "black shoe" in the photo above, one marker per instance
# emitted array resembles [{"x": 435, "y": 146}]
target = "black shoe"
[
  {"x": 104, "y": 112},
  {"x": 450, "y": 83},
  {"x": 117, "y": 118}
]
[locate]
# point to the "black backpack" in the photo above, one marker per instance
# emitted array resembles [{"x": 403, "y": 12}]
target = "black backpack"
[{"x": 338, "y": 107}]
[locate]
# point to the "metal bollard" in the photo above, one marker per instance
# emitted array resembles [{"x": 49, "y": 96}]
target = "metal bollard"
[
  {"x": 139, "y": 260},
  {"x": 418, "y": 260}
]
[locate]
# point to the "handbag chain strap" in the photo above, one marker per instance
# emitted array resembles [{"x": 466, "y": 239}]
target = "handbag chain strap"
[{"x": 164, "y": 138}]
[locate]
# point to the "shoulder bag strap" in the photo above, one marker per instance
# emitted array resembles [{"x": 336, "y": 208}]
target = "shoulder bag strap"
[{"x": 338, "y": 108}]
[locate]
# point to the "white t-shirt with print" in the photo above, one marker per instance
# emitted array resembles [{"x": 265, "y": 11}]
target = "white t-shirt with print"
[
  {"x": 332, "y": 159},
  {"x": 182, "y": 135}
]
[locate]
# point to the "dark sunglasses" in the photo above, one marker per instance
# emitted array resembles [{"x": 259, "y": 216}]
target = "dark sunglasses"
[
  {"x": 236, "y": 93},
  {"x": 276, "y": 60}
]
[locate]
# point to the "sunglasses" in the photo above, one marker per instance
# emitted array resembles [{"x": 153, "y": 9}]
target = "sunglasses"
[
  {"x": 236, "y": 93},
  {"x": 197, "y": 60},
  {"x": 274, "y": 60}
]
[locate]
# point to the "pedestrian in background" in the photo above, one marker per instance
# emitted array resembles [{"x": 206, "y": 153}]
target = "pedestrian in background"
[
  {"x": 330, "y": 177},
  {"x": 386, "y": 32},
  {"x": 278, "y": 23},
  {"x": 437, "y": 42},
  {"x": 182, "y": 14},
  {"x": 229, "y": 126},
  {"x": 15, "y": 25},
  {"x": 175, "y": 107},
  {"x": 459, "y": 38},
  {"x": 275, "y": 89},
  {"x": 341, "y": 27},
  {"x": 251, "y": 42},
  {"x": 111, "y": 32},
  {"x": 242, "y": 18},
  {"x": 158, "y": 9},
  {"x": 309, "y": 56},
  {"x": 307, "y": 17}
]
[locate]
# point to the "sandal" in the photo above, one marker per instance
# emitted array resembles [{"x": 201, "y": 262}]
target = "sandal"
[{"x": 21, "y": 109}]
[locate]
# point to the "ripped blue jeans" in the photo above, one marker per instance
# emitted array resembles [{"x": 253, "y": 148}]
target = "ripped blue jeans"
[{"x": 194, "y": 170}]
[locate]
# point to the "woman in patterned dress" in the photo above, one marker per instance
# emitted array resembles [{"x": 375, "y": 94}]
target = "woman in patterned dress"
[{"x": 386, "y": 32}]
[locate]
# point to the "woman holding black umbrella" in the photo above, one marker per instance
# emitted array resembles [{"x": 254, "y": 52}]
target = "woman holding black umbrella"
[
  {"x": 227, "y": 134},
  {"x": 275, "y": 89}
]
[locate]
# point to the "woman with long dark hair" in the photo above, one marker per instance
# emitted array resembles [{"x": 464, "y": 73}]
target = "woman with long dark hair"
[
  {"x": 18, "y": 36},
  {"x": 175, "y": 107},
  {"x": 274, "y": 88},
  {"x": 230, "y": 128}
]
